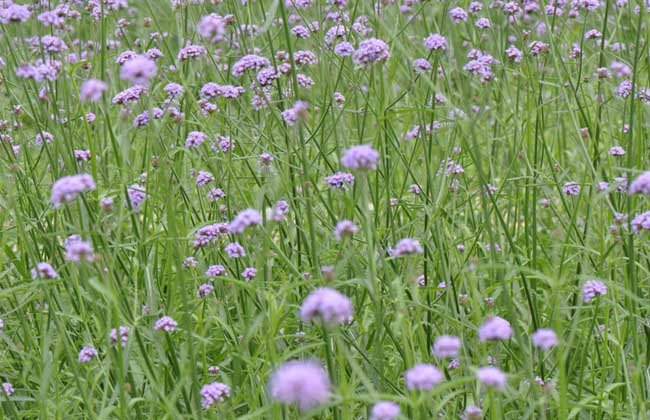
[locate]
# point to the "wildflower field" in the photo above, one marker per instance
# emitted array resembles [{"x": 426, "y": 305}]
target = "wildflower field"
[{"x": 324, "y": 209}]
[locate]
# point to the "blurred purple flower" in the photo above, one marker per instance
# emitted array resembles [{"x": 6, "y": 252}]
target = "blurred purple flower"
[{"x": 303, "y": 383}]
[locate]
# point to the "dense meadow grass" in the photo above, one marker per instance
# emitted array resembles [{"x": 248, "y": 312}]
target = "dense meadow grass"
[{"x": 341, "y": 209}]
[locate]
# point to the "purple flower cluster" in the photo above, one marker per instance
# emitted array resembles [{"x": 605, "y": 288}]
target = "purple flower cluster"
[
  {"x": 592, "y": 289},
  {"x": 234, "y": 250},
  {"x": 422, "y": 377},
  {"x": 340, "y": 180},
  {"x": 8, "y": 389},
  {"x": 492, "y": 377},
  {"x": 371, "y": 51},
  {"x": 207, "y": 234},
  {"x": 213, "y": 393},
  {"x": 328, "y": 306},
  {"x": 384, "y": 410},
  {"x": 495, "y": 328},
  {"x": 249, "y": 62},
  {"x": 641, "y": 185},
  {"x": 165, "y": 323},
  {"x": 446, "y": 346},
  {"x": 435, "y": 42},
  {"x": 138, "y": 70},
  {"x": 571, "y": 188},
  {"x": 129, "y": 95},
  {"x": 215, "y": 271},
  {"x": 345, "y": 228},
  {"x": 92, "y": 90},
  {"x": 120, "y": 334},
  {"x": 641, "y": 222},
  {"x": 87, "y": 354},
  {"x": 245, "y": 218},
  {"x": 362, "y": 157},
  {"x": 66, "y": 189},
  {"x": 137, "y": 195},
  {"x": 212, "y": 27},
  {"x": 406, "y": 246},
  {"x": 44, "y": 270},
  {"x": 544, "y": 338},
  {"x": 191, "y": 51},
  {"x": 77, "y": 250},
  {"x": 302, "y": 383}
]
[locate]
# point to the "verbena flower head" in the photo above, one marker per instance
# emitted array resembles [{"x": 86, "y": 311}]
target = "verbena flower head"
[
  {"x": 195, "y": 138},
  {"x": 302, "y": 383},
  {"x": 495, "y": 328},
  {"x": 92, "y": 90},
  {"x": 204, "y": 290},
  {"x": 125, "y": 56},
  {"x": 592, "y": 289},
  {"x": 214, "y": 393},
  {"x": 296, "y": 113},
  {"x": 371, "y": 51},
  {"x": 173, "y": 90},
  {"x": 571, "y": 188},
  {"x": 216, "y": 270},
  {"x": 458, "y": 14},
  {"x": 212, "y": 27},
  {"x": 87, "y": 354},
  {"x": 406, "y": 246},
  {"x": 421, "y": 65},
  {"x": 616, "y": 151},
  {"x": 328, "y": 306},
  {"x": 384, "y": 410},
  {"x": 44, "y": 270},
  {"x": 472, "y": 412},
  {"x": 422, "y": 377},
  {"x": 216, "y": 194},
  {"x": 340, "y": 180},
  {"x": 249, "y": 62},
  {"x": 44, "y": 137},
  {"x": 82, "y": 155},
  {"x": 138, "y": 70},
  {"x": 14, "y": 13},
  {"x": 544, "y": 338},
  {"x": 345, "y": 228},
  {"x": 361, "y": 157},
  {"x": 235, "y": 250},
  {"x": 68, "y": 188},
  {"x": 120, "y": 334},
  {"x": 166, "y": 323},
  {"x": 514, "y": 54},
  {"x": 641, "y": 185},
  {"x": 136, "y": 196},
  {"x": 190, "y": 51},
  {"x": 641, "y": 222},
  {"x": 77, "y": 250},
  {"x": 344, "y": 49},
  {"x": 279, "y": 211},
  {"x": 446, "y": 346},
  {"x": 249, "y": 273},
  {"x": 492, "y": 377},
  {"x": 435, "y": 42},
  {"x": 8, "y": 389},
  {"x": 129, "y": 95},
  {"x": 204, "y": 178},
  {"x": 209, "y": 234},
  {"x": 245, "y": 218},
  {"x": 190, "y": 262}
]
